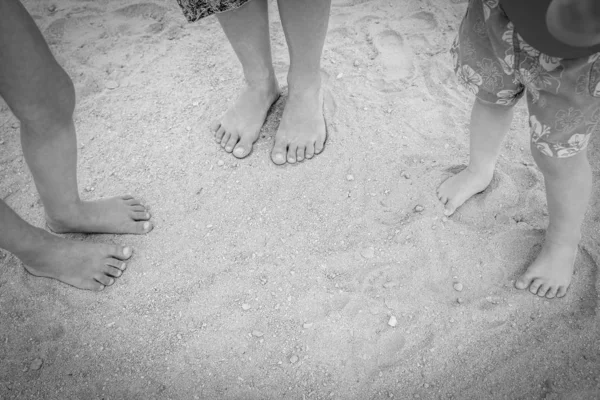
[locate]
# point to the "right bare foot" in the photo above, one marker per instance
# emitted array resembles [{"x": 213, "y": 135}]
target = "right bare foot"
[
  {"x": 85, "y": 265},
  {"x": 239, "y": 128},
  {"x": 457, "y": 189}
]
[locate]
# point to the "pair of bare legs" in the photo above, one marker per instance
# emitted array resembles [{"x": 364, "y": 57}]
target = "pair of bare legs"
[
  {"x": 42, "y": 97},
  {"x": 568, "y": 187},
  {"x": 302, "y": 131}
]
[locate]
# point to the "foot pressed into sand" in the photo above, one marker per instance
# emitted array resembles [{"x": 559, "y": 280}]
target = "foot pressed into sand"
[
  {"x": 239, "y": 128},
  {"x": 85, "y": 265},
  {"x": 302, "y": 132},
  {"x": 123, "y": 214},
  {"x": 551, "y": 272},
  {"x": 457, "y": 189}
]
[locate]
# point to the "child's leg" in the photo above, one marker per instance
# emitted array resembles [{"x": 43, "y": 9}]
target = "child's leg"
[
  {"x": 247, "y": 29},
  {"x": 41, "y": 95},
  {"x": 568, "y": 186},
  {"x": 489, "y": 125},
  {"x": 302, "y": 132}
]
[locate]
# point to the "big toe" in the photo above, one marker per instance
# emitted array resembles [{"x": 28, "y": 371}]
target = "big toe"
[
  {"x": 242, "y": 149},
  {"x": 278, "y": 154},
  {"x": 449, "y": 208},
  {"x": 523, "y": 282}
]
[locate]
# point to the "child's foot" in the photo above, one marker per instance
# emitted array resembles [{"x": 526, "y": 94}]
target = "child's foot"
[
  {"x": 302, "y": 131},
  {"x": 550, "y": 274},
  {"x": 239, "y": 128},
  {"x": 123, "y": 214},
  {"x": 84, "y": 265},
  {"x": 457, "y": 189}
]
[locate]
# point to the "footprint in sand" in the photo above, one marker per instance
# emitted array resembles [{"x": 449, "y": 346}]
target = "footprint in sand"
[
  {"x": 394, "y": 56},
  {"x": 143, "y": 10},
  {"x": 418, "y": 22}
]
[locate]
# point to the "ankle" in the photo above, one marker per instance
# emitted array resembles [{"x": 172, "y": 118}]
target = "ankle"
[
  {"x": 562, "y": 237},
  {"x": 481, "y": 169},
  {"x": 304, "y": 83},
  {"x": 58, "y": 216},
  {"x": 263, "y": 82}
]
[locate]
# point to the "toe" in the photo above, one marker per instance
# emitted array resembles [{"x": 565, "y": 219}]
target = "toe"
[
  {"x": 144, "y": 227},
  {"x": 535, "y": 285},
  {"x": 562, "y": 291},
  {"x": 233, "y": 140},
  {"x": 127, "y": 197},
  {"x": 133, "y": 202},
  {"x": 225, "y": 139},
  {"x": 278, "y": 153},
  {"x": 105, "y": 280},
  {"x": 120, "y": 252},
  {"x": 300, "y": 153},
  {"x": 219, "y": 134},
  {"x": 215, "y": 125},
  {"x": 140, "y": 215},
  {"x": 523, "y": 281},
  {"x": 243, "y": 148},
  {"x": 552, "y": 292},
  {"x": 543, "y": 290},
  {"x": 138, "y": 207},
  {"x": 113, "y": 262},
  {"x": 319, "y": 146},
  {"x": 291, "y": 154},
  {"x": 310, "y": 150},
  {"x": 114, "y": 272},
  {"x": 449, "y": 208}
]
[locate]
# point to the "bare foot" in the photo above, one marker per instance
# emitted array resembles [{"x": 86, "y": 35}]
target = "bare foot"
[
  {"x": 550, "y": 274},
  {"x": 302, "y": 131},
  {"x": 457, "y": 189},
  {"x": 123, "y": 214},
  {"x": 238, "y": 129},
  {"x": 84, "y": 265}
]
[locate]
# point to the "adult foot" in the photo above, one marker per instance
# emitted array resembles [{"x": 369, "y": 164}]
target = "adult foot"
[
  {"x": 239, "y": 128},
  {"x": 550, "y": 274},
  {"x": 85, "y": 265},
  {"x": 457, "y": 189},
  {"x": 123, "y": 214},
  {"x": 302, "y": 131}
]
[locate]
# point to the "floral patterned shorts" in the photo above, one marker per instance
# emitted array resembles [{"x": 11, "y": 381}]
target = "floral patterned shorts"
[
  {"x": 498, "y": 66},
  {"x": 197, "y": 9}
]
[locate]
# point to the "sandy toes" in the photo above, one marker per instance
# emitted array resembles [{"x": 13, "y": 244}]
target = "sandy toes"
[
  {"x": 90, "y": 266},
  {"x": 302, "y": 131},
  {"x": 457, "y": 189},
  {"x": 239, "y": 128},
  {"x": 123, "y": 214},
  {"x": 551, "y": 272}
]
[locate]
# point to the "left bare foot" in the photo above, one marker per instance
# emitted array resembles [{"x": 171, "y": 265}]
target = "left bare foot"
[
  {"x": 302, "y": 131},
  {"x": 123, "y": 214},
  {"x": 550, "y": 274}
]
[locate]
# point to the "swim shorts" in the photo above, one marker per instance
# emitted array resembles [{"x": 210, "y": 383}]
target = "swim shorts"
[
  {"x": 198, "y": 9},
  {"x": 563, "y": 95}
]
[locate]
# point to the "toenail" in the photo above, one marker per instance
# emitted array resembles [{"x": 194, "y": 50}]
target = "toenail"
[
  {"x": 147, "y": 215},
  {"x": 111, "y": 281},
  {"x": 146, "y": 226},
  {"x": 126, "y": 251},
  {"x": 123, "y": 266}
]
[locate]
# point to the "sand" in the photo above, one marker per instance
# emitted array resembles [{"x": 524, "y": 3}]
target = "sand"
[{"x": 267, "y": 282}]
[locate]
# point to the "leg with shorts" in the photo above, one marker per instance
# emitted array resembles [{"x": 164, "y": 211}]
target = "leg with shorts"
[
  {"x": 302, "y": 131},
  {"x": 563, "y": 115}
]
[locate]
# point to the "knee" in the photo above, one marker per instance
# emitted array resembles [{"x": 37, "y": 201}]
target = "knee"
[
  {"x": 54, "y": 104},
  {"x": 556, "y": 167}
]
